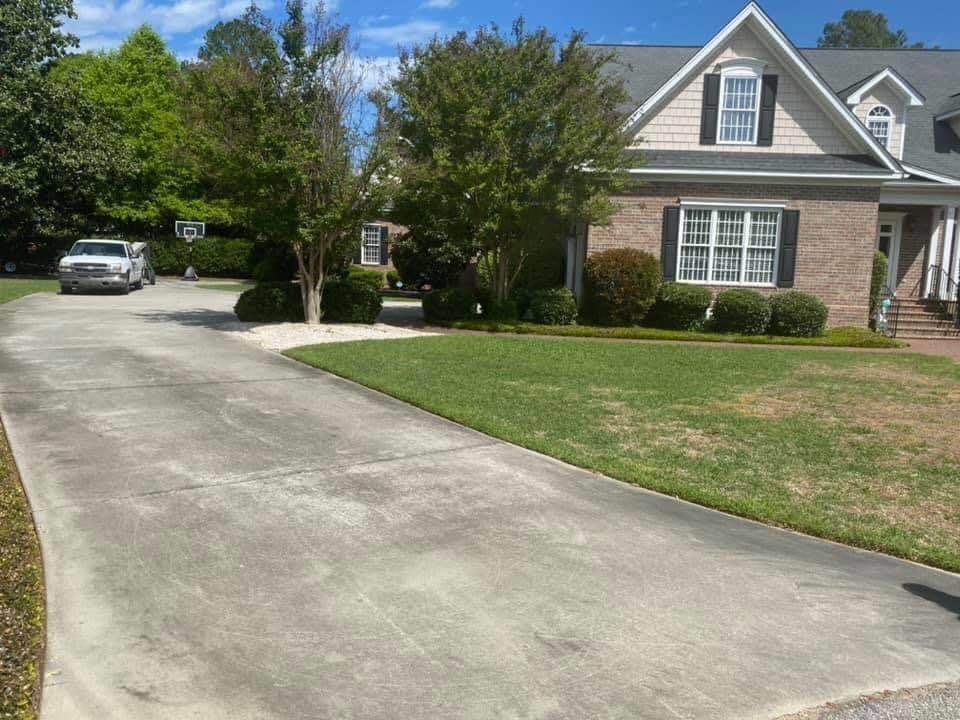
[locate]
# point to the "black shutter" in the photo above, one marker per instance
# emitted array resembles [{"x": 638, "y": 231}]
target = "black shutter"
[
  {"x": 668, "y": 242},
  {"x": 384, "y": 245},
  {"x": 789, "y": 225},
  {"x": 710, "y": 109},
  {"x": 768, "y": 106},
  {"x": 358, "y": 255}
]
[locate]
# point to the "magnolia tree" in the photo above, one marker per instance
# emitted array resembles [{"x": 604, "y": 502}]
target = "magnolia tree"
[
  {"x": 507, "y": 142},
  {"x": 282, "y": 126}
]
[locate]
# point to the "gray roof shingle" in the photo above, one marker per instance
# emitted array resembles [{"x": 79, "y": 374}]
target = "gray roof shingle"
[
  {"x": 935, "y": 74},
  {"x": 762, "y": 162}
]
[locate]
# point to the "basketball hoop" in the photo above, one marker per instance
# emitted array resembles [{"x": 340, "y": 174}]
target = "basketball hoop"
[{"x": 189, "y": 234}]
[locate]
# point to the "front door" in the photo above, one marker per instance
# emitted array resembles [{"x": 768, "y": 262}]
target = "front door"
[{"x": 889, "y": 228}]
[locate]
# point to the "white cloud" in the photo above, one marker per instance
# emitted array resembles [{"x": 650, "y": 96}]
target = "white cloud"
[
  {"x": 630, "y": 29},
  {"x": 104, "y": 23},
  {"x": 408, "y": 33},
  {"x": 439, "y": 4},
  {"x": 376, "y": 71}
]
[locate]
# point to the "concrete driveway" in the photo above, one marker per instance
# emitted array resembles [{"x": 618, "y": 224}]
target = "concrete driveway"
[{"x": 228, "y": 534}]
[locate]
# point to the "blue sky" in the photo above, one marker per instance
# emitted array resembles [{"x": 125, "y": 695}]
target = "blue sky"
[{"x": 381, "y": 25}]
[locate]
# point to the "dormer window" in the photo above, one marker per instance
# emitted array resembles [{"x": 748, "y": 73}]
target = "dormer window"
[
  {"x": 739, "y": 104},
  {"x": 879, "y": 121}
]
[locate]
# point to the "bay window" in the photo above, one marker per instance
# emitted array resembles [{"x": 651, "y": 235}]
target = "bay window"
[{"x": 728, "y": 245}]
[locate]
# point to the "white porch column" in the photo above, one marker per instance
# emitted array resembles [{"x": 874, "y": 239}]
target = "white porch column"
[
  {"x": 946, "y": 256},
  {"x": 955, "y": 266},
  {"x": 933, "y": 249}
]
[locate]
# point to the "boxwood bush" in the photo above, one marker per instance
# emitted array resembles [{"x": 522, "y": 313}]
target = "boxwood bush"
[
  {"x": 448, "y": 304},
  {"x": 620, "y": 286},
  {"x": 797, "y": 314},
  {"x": 503, "y": 311},
  {"x": 352, "y": 300},
  {"x": 680, "y": 306},
  {"x": 878, "y": 279},
  {"x": 363, "y": 276},
  {"x": 554, "y": 306},
  {"x": 741, "y": 311},
  {"x": 270, "y": 302}
]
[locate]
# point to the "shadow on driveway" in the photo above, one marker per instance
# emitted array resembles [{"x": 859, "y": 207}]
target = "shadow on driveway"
[{"x": 950, "y": 603}]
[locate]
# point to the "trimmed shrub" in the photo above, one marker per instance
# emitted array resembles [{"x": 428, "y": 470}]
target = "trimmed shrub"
[
  {"x": 878, "y": 278},
  {"x": 741, "y": 311},
  {"x": 270, "y": 302},
  {"x": 351, "y": 300},
  {"x": 620, "y": 286},
  {"x": 505, "y": 311},
  {"x": 448, "y": 304},
  {"x": 363, "y": 276},
  {"x": 215, "y": 256},
  {"x": 554, "y": 306},
  {"x": 393, "y": 277},
  {"x": 680, "y": 306},
  {"x": 797, "y": 314}
]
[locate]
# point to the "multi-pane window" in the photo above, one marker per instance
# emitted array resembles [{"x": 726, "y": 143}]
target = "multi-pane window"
[
  {"x": 370, "y": 245},
  {"x": 728, "y": 246},
  {"x": 879, "y": 121},
  {"x": 739, "y": 101}
]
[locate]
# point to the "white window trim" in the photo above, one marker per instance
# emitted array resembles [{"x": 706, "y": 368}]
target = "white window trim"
[
  {"x": 885, "y": 119},
  {"x": 363, "y": 260},
  {"x": 740, "y": 69},
  {"x": 716, "y": 207}
]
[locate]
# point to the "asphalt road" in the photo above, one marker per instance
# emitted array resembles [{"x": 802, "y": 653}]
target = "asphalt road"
[{"x": 228, "y": 534}]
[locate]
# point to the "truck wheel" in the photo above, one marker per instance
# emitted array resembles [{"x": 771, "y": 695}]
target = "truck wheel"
[
  {"x": 125, "y": 290},
  {"x": 139, "y": 284}
]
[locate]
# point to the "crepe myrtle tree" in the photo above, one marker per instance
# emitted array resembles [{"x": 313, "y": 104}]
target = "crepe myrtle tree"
[
  {"x": 509, "y": 140},
  {"x": 282, "y": 126}
]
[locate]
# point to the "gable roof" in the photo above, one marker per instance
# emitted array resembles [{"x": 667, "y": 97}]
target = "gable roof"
[
  {"x": 855, "y": 94},
  {"x": 931, "y": 145},
  {"x": 761, "y": 23}
]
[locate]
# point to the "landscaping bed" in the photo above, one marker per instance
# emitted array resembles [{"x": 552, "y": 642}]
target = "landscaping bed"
[
  {"x": 855, "y": 447},
  {"x": 834, "y": 337},
  {"x": 21, "y": 598}
]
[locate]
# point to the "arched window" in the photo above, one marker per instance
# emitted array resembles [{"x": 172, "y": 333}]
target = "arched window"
[{"x": 879, "y": 121}]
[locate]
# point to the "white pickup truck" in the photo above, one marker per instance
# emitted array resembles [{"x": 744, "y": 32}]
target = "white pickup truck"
[{"x": 101, "y": 265}]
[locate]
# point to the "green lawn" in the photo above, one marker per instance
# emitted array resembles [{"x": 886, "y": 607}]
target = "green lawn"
[
  {"x": 834, "y": 337},
  {"x": 237, "y": 286},
  {"x": 13, "y": 288},
  {"x": 856, "y": 447},
  {"x": 21, "y": 598}
]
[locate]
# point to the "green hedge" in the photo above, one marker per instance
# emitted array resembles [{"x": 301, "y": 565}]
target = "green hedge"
[
  {"x": 554, "y": 306},
  {"x": 211, "y": 256},
  {"x": 797, "y": 314},
  {"x": 620, "y": 286},
  {"x": 878, "y": 279},
  {"x": 270, "y": 302},
  {"x": 741, "y": 311},
  {"x": 448, "y": 304},
  {"x": 352, "y": 300},
  {"x": 680, "y": 306},
  {"x": 363, "y": 276}
]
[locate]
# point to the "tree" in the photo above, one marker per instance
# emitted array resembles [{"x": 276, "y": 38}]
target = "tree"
[
  {"x": 863, "y": 29},
  {"x": 283, "y": 130},
  {"x": 58, "y": 153},
  {"x": 508, "y": 141},
  {"x": 138, "y": 87}
]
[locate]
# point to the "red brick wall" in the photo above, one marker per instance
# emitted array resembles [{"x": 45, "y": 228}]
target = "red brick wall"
[
  {"x": 835, "y": 245},
  {"x": 917, "y": 226}
]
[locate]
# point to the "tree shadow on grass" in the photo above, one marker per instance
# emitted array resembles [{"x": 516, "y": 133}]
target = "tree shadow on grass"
[{"x": 950, "y": 603}]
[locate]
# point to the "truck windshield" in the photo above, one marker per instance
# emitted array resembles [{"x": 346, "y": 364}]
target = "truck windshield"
[{"x": 94, "y": 248}]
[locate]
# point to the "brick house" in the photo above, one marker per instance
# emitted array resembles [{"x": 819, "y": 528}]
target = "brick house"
[{"x": 767, "y": 166}]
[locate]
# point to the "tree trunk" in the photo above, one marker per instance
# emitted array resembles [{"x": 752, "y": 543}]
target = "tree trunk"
[{"x": 310, "y": 263}]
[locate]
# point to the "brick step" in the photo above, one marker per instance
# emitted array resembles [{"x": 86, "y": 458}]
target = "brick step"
[
  {"x": 920, "y": 314},
  {"x": 926, "y": 328},
  {"x": 929, "y": 335},
  {"x": 925, "y": 320}
]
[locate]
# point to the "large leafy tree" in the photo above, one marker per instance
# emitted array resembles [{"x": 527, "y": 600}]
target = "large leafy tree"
[
  {"x": 139, "y": 88},
  {"x": 508, "y": 140},
  {"x": 58, "y": 153},
  {"x": 282, "y": 129},
  {"x": 863, "y": 29}
]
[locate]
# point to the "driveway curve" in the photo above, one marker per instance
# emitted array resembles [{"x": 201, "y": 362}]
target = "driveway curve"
[{"x": 228, "y": 534}]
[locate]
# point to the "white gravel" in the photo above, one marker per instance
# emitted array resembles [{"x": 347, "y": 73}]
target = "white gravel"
[{"x": 281, "y": 336}]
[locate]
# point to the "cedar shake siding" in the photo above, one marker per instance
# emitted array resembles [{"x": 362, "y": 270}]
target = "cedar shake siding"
[
  {"x": 835, "y": 243},
  {"x": 800, "y": 126}
]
